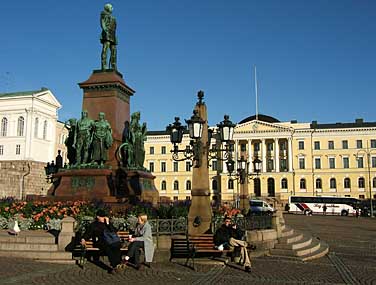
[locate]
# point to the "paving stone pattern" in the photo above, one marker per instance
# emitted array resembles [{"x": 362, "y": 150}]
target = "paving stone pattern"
[{"x": 352, "y": 260}]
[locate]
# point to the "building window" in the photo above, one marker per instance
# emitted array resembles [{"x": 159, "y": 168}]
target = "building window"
[
  {"x": 359, "y": 144},
  {"x": 345, "y": 144},
  {"x": 18, "y": 149},
  {"x": 243, "y": 147},
  {"x": 230, "y": 184},
  {"x": 176, "y": 185},
  {"x": 256, "y": 147},
  {"x": 1, "y": 150},
  {"x": 361, "y": 182},
  {"x": 188, "y": 166},
  {"x": 374, "y": 182},
  {"x": 284, "y": 183},
  {"x": 188, "y": 198},
  {"x": 283, "y": 146},
  {"x": 345, "y": 161},
  {"x": 373, "y": 143},
  {"x": 36, "y": 126},
  {"x": 151, "y": 150},
  {"x": 332, "y": 162},
  {"x": 347, "y": 183},
  {"x": 269, "y": 146},
  {"x": 214, "y": 165},
  {"x": 373, "y": 161},
  {"x": 44, "y": 130},
  {"x": 163, "y": 150},
  {"x": 302, "y": 184},
  {"x": 20, "y": 126},
  {"x": 163, "y": 185},
  {"x": 214, "y": 184},
  {"x": 163, "y": 166},
  {"x": 176, "y": 166},
  {"x": 283, "y": 164},
  {"x": 301, "y": 163},
  {"x": 270, "y": 165},
  {"x": 330, "y": 144},
  {"x": 176, "y": 198},
  {"x": 361, "y": 196},
  {"x": 4, "y": 127},
  {"x": 151, "y": 166},
  {"x": 360, "y": 162},
  {"x": 333, "y": 183},
  {"x": 317, "y": 145},
  {"x": 301, "y": 145},
  {"x": 188, "y": 185},
  {"x": 318, "y": 183},
  {"x": 318, "y": 163}
]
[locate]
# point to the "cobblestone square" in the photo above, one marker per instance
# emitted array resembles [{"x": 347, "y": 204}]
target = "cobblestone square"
[{"x": 351, "y": 260}]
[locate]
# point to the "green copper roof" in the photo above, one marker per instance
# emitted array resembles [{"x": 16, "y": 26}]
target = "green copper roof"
[{"x": 22, "y": 93}]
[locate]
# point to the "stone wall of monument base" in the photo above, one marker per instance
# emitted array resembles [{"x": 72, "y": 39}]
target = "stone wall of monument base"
[{"x": 22, "y": 177}]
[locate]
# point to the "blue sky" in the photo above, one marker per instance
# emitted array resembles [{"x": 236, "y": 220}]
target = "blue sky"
[{"x": 315, "y": 59}]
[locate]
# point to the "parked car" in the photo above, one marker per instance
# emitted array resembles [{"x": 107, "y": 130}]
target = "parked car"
[{"x": 260, "y": 207}]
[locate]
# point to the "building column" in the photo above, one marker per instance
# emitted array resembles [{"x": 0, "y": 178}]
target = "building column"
[
  {"x": 263, "y": 154},
  {"x": 250, "y": 156},
  {"x": 289, "y": 154},
  {"x": 276, "y": 141}
]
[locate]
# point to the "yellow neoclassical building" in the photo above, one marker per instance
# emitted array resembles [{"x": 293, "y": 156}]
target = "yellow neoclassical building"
[{"x": 308, "y": 159}]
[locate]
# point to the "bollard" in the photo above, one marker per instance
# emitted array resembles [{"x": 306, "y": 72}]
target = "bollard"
[
  {"x": 66, "y": 233},
  {"x": 276, "y": 225}
]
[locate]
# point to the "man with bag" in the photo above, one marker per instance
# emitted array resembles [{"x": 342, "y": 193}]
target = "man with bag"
[
  {"x": 103, "y": 234},
  {"x": 229, "y": 236}
]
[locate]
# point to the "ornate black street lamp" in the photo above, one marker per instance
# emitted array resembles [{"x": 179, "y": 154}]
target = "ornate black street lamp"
[
  {"x": 243, "y": 174},
  {"x": 49, "y": 170},
  {"x": 194, "y": 150},
  {"x": 199, "y": 151}
]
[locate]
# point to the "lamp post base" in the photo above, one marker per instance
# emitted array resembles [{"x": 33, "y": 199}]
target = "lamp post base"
[{"x": 199, "y": 216}]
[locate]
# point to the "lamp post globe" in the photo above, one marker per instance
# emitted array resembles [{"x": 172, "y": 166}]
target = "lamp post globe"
[
  {"x": 226, "y": 129},
  {"x": 195, "y": 126},
  {"x": 176, "y": 131},
  {"x": 257, "y": 165}
]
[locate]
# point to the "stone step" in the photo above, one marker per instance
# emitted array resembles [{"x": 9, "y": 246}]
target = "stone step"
[
  {"x": 313, "y": 246},
  {"x": 320, "y": 252},
  {"x": 40, "y": 255},
  {"x": 301, "y": 243},
  {"x": 295, "y": 237},
  {"x": 17, "y": 246},
  {"x": 27, "y": 237},
  {"x": 287, "y": 232},
  {"x": 60, "y": 261}
]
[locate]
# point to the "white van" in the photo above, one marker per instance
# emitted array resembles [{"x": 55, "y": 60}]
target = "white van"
[{"x": 260, "y": 206}]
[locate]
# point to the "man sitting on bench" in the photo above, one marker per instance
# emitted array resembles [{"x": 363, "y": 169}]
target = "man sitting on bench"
[
  {"x": 96, "y": 232},
  {"x": 227, "y": 235}
]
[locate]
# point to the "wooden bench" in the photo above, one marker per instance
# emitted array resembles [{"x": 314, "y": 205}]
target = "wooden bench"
[
  {"x": 87, "y": 251},
  {"x": 194, "y": 246}
]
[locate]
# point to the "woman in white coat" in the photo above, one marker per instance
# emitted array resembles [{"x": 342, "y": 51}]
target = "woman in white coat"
[{"x": 142, "y": 239}]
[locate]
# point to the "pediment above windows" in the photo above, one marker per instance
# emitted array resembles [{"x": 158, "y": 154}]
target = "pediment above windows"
[{"x": 260, "y": 126}]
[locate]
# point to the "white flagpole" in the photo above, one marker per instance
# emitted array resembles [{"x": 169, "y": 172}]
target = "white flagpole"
[{"x": 256, "y": 94}]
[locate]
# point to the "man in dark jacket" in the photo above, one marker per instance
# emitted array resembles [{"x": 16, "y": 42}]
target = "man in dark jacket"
[
  {"x": 228, "y": 235},
  {"x": 95, "y": 232}
]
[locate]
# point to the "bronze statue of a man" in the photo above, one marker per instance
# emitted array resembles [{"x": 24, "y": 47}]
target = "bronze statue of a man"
[
  {"x": 108, "y": 37},
  {"x": 102, "y": 140},
  {"x": 83, "y": 138},
  {"x": 71, "y": 140}
]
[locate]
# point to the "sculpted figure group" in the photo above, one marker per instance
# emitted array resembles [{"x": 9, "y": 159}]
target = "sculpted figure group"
[
  {"x": 132, "y": 151},
  {"x": 88, "y": 141}
]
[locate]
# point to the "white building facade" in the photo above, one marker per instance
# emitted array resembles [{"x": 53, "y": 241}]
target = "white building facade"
[{"x": 28, "y": 134}]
